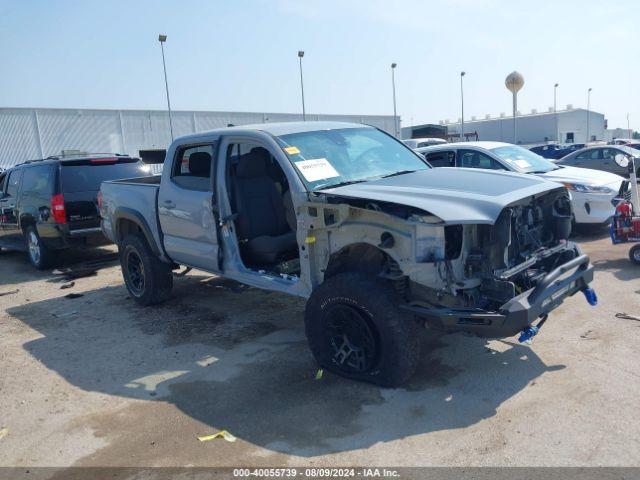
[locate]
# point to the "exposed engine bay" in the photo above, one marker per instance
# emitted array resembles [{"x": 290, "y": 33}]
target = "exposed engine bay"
[
  {"x": 475, "y": 266},
  {"x": 483, "y": 266}
]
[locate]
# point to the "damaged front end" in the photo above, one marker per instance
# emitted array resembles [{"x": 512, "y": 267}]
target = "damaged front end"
[{"x": 497, "y": 279}]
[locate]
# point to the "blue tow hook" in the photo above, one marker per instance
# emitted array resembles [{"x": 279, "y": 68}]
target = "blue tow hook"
[
  {"x": 527, "y": 334},
  {"x": 590, "y": 295}
]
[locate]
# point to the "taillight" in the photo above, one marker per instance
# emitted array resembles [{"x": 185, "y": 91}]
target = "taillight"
[
  {"x": 57, "y": 208},
  {"x": 99, "y": 201}
]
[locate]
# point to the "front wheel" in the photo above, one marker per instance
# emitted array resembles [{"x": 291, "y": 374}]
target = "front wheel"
[
  {"x": 147, "y": 278},
  {"x": 40, "y": 256},
  {"x": 355, "y": 329},
  {"x": 634, "y": 254}
]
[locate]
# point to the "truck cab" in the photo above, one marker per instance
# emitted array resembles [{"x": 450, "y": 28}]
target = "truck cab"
[{"x": 348, "y": 217}]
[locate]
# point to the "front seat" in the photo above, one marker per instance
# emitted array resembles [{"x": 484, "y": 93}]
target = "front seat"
[
  {"x": 200, "y": 164},
  {"x": 262, "y": 227}
]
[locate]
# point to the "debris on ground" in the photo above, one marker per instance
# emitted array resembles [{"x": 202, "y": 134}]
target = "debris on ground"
[
  {"x": 64, "y": 286},
  {"x": 319, "y": 374},
  {"x": 74, "y": 295},
  {"x": 76, "y": 272},
  {"x": 64, "y": 314},
  {"x": 221, "y": 434},
  {"x": 86, "y": 269},
  {"x": 2, "y": 294},
  {"x": 4, "y": 431},
  {"x": 80, "y": 273},
  {"x": 626, "y": 316},
  {"x": 183, "y": 272}
]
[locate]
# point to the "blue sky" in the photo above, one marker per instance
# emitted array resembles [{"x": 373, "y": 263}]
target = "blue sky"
[{"x": 242, "y": 55}]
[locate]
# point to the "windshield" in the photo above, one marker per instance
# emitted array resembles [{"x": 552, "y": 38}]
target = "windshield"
[
  {"x": 523, "y": 160},
  {"x": 327, "y": 158},
  {"x": 629, "y": 151}
]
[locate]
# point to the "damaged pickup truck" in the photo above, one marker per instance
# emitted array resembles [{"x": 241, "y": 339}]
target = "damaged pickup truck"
[{"x": 348, "y": 217}]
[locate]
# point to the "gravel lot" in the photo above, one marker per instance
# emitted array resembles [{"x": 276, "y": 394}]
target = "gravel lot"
[{"x": 97, "y": 381}]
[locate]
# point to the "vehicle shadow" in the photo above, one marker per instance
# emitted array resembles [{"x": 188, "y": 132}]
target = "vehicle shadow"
[
  {"x": 587, "y": 233},
  {"x": 235, "y": 358},
  {"x": 621, "y": 268},
  {"x": 17, "y": 269}
]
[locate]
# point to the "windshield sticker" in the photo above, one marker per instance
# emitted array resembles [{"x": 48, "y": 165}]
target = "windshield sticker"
[
  {"x": 522, "y": 163},
  {"x": 316, "y": 169},
  {"x": 291, "y": 150},
  {"x": 518, "y": 163}
]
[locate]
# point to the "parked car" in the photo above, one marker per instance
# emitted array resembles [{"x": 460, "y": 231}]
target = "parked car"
[
  {"x": 601, "y": 158},
  {"x": 423, "y": 142},
  {"x": 572, "y": 147},
  {"x": 592, "y": 191},
  {"x": 48, "y": 205},
  {"x": 350, "y": 218},
  {"x": 621, "y": 141},
  {"x": 634, "y": 144},
  {"x": 551, "y": 151}
]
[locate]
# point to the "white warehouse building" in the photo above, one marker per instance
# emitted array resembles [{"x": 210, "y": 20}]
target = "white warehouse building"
[
  {"x": 563, "y": 126},
  {"x": 32, "y": 133}
]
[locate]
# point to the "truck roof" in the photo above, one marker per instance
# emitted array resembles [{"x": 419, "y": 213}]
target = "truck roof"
[{"x": 282, "y": 128}]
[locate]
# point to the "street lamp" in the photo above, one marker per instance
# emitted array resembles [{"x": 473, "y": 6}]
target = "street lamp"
[
  {"x": 462, "y": 74},
  {"x": 588, "y": 108},
  {"x": 555, "y": 111},
  {"x": 393, "y": 86},
  {"x": 304, "y": 112},
  {"x": 514, "y": 82},
  {"x": 162, "y": 39}
]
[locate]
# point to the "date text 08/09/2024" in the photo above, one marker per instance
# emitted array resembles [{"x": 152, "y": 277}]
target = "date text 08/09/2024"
[{"x": 316, "y": 472}]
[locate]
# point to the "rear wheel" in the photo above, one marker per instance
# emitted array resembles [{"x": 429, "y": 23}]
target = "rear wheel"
[
  {"x": 634, "y": 254},
  {"x": 40, "y": 256},
  {"x": 356, "y": 330},
  {"x": 147, "y": 278}
]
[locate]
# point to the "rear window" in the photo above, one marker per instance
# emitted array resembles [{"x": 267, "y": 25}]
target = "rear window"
[{"x": 88, "y": 177}]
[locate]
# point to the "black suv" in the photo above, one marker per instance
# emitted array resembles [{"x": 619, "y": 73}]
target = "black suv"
[{"x": 51, "y": 204}]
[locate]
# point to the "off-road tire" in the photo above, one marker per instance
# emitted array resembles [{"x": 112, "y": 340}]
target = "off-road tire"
[
  {"x": 157, "y": 280},
  {"x": 39, "y": 255},
  {"x": 397, "y": 334},
  {"x": 634, "y": 254}
]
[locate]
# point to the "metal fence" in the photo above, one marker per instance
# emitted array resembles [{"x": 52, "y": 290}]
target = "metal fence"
[{"x": 28, "y": 133}]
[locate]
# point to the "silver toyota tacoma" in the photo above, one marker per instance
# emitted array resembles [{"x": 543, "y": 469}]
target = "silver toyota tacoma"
[{"x": 351, "y": 219}]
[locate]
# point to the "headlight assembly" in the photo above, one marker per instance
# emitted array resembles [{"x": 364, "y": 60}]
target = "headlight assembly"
[{"x": 585, "y": 188}]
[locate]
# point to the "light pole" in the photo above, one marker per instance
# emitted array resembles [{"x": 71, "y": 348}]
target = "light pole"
[
  {"x": 393, "y": 86},
  {"x": 462, "y": 74},
  {"x": 304, "y": 111},
  {"x": 514, "y": 82},
  {"x": 162, "y": 39},
  {"x": 629, "y": 128},
  {"x": 555, "y": 110},
  {"x": 588, "y": 108}
]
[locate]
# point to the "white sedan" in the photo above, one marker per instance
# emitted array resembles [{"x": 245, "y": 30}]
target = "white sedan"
[{"x": 592, "y": 191}]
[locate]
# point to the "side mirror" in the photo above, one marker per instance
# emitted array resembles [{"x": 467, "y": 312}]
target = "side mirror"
[{"x": 622, "y": 160}]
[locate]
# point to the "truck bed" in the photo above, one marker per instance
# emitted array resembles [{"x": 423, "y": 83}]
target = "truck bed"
[
  {"x": 151, "y": 180},
  {"x": 135, "y": 197}
]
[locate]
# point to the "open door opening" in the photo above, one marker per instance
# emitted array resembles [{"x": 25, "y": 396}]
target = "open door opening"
[{"x": 263, "y": 212}]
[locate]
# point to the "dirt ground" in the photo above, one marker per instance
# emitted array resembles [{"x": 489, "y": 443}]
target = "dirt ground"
[{"x": 97, "y": 381}]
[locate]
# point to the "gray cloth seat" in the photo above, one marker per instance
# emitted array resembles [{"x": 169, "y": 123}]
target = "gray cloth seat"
[
  {"x": 200, "y": 164},
  {"x": 261, "y": 224},
  {"x": 198, "y": 176}
]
